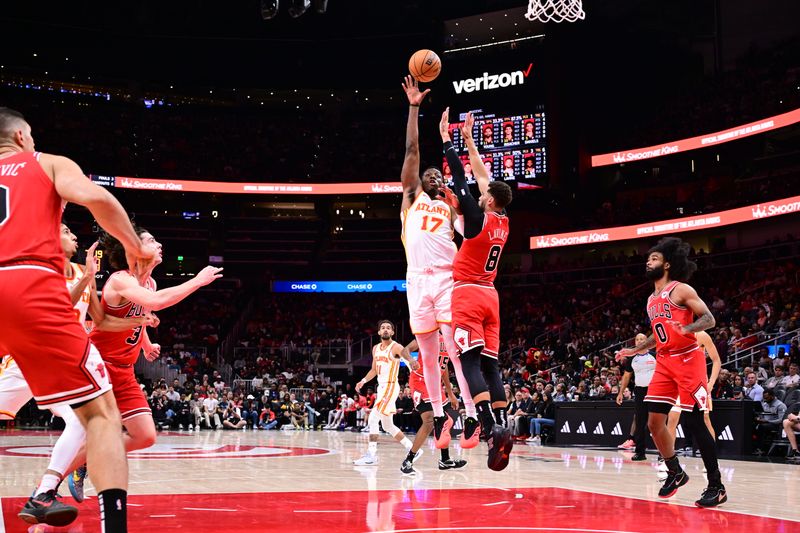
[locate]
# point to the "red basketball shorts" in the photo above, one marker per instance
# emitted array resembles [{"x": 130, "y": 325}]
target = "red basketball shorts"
[
  {"x": 129, "y": 395},
  {"x": 38, "y": 327},
  {"x": 476, "y": 318},
  {"x": 680, "y": 380}
]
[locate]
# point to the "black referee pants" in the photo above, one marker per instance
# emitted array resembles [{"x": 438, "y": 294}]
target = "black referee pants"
[{"x": 640, "y": 414}]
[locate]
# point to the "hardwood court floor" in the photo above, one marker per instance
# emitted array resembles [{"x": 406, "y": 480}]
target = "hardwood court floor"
[{"x": 305, "y": 481}]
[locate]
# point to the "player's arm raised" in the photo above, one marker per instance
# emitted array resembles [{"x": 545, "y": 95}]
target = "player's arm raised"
[
  {"x": 104, "y": 322},
  {"x": 705, "y": 340},
  {"x": 473, "y": 214},
  {"x": 685, "y": 295},
  {"x": 128, "y": 288},
  {"x": 76, "y": 291},
  {"x": 409, "y": 176},
  {"x": 73, "y": 186},
  {"x": 475, "y": 159}
]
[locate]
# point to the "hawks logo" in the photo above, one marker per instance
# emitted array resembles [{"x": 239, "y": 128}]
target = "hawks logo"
[{"x": 185, "y": 451}]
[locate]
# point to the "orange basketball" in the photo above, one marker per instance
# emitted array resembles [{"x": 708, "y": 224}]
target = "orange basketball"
[{"x": 424, "y": 65}]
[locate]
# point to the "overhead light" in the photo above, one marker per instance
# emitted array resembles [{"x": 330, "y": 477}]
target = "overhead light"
[
  {"x": 269, "y": 9},
  {"x": 298, "y": 7}
]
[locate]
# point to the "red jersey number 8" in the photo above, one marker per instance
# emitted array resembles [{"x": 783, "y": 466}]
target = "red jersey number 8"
[{"x": 493, "y": 259}]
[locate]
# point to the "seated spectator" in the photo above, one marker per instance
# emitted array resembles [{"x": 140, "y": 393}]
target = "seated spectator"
[
  {"x": 793, "y": 378},
  {"x": 267, "y": 419},
  {"x": 232, "y": 418},
  {"x": 790, "y": 426},
  {"x": 723, "y": 390},
  {"x": 518, "y": 412},
  {"x": 543, "y": 416},
  {"x": 325, "y": 405},
  {"x": 752, "y": 390},
  {"x": 770, "y": 420},
  {"x": 776, "y": 380},
  {"x": 211, "y": 411},
  {"x": 738, "y": 388},
  {"x": 405, "y": 410}
]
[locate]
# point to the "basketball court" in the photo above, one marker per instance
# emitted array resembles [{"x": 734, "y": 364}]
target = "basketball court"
[{"x": 305, "y": 481}]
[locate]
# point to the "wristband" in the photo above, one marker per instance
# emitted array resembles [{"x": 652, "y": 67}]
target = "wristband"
[{"x": 414, "y": 105}]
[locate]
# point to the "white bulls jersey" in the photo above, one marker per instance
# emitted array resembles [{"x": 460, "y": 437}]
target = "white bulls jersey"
[
  {"x": 428, "y": 234},
  {"x": 386, "y": 364},
  {"x": 82, "y": 306}
]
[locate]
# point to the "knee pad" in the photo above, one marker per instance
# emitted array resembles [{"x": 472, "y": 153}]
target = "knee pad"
[
  {"x": 471, "y": 367},
  {"x": 491, "y": 374},
  {"x": 373, "y": 422}
]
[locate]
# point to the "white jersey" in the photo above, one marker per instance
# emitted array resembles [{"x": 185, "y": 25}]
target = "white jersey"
[
  {"x": 428, "y": 234},
  {"x": 82, "y": 306},
  {"x": 386, "y": 364}
]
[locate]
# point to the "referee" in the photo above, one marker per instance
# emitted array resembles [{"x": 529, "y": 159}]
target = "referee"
[{"x": 641, "y": 367}]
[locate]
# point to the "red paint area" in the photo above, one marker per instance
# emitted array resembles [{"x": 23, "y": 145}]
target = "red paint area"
[{"x": 474, "y": 510}]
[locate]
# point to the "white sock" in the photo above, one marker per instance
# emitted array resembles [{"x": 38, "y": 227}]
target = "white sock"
[
  {"x": 69, "y": 443},
  {"x": 372, "y": 448},
  {"x": 429, "y": 352},
  {"x": 406, "y": 443},
  {"x": 452, "y": 352},
  {"x": 49, "y": 482}
]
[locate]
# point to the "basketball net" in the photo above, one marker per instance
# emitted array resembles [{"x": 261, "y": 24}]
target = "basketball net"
[{"x": 555, "y": 10}]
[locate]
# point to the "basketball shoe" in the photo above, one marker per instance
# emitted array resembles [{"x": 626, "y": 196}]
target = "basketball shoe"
[
  {"x": 500, "y": 445},
  {"x": 367, "y": 460},
  {"x": 471, "y": 435},
  {"x": 441, "y": 431},
  {"x": 675, "y": 480},
  {"x": 75, "y": 483},
  {"x": 47, "y": 509},
  {"x": 452, "y": 463},
  {"x": 712, "y": 496}
]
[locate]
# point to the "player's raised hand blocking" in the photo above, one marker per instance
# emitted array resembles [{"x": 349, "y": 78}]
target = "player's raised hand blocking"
[
  {"x": 444, "y": 125},
  {"x": 415, "y": 97},
  {"x": 466, "y": 128}
]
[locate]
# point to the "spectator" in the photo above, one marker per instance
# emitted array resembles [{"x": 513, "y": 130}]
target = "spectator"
[
  {"x": 267, "y": 419},
  {"x": 752, "y": 390},
  {"x": 232, "y": 418},
  {"x": 770, "y": 420},
  {"x": 211, "y": 411},
  {"x": 543, "y": 415},
  {"x": 793, "y": 379},
  {"x": 776, "y": 380}
]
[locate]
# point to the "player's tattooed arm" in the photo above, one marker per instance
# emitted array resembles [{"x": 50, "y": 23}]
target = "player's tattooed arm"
[{"x": 686, "y": 296}]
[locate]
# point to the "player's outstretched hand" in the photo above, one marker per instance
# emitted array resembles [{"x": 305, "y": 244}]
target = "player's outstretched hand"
[
  {"x": 466, "y": 128},
  {"x": 624, "y": 354},
  {"x": 451, "y": 199},
  {"x": 150, "y": 319},
  {"x": 415, "y": 97},
  {"x": 208, "y": 274},
  {"x": 453, "y": 401},
  {"x": 91, "y": 261},
  {"x": 414, "y": 364},
  {"x": 154, "y": 354},
  {"x": 444, "y": 125}
]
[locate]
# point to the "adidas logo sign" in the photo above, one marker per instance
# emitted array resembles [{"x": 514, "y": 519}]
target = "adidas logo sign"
[
  {"x": 599, "y": 429},
  {"x": 679, "y": 433},
  {"x": 726, "y": 434},
  {"x": 565, "y": 428},
  {"x": 617, "y": 430},
  {"x": 581, "y": 428}
]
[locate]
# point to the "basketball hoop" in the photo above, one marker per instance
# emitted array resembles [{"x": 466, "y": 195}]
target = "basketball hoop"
[{"x": 555, "y": 10}]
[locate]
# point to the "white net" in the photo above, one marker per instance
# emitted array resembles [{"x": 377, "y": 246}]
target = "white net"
[{"x": 555, "y": 10}]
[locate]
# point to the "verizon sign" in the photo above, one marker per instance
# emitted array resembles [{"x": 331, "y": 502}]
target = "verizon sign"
[
  {"x": 701, "y": 141},
  {"x": 678, "y": 225},
  {"x": 489, "y": 82}
]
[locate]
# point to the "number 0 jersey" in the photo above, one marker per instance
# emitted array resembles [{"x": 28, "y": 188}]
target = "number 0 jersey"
[
  {"x": 479, "y": 257},
  {"x": 428, "y": 234},
  {"x": 662, "y": 311},
  {"x": 121, "y": 347}
]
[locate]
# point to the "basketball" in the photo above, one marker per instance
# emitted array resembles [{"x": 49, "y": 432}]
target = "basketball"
[{"x": 425, "y": 65}]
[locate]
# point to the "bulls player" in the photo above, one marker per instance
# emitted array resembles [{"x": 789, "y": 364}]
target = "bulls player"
[
  {"x": 422, "y": 404},
  {"x": 130, "y": 293},
  {"x": 15, "y": 392},
  {"x": 676, "y": 314},
  {"x": 476, "y": 307},
  {"x": 386, "y": 356},
  {"x": 37, "y": 320},
  {"x": 428, "y": 216}
]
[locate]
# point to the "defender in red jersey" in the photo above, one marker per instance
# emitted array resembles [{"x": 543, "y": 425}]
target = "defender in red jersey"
[
  {"x": 476, "y": 307},
  {"x": 423, "y": 405},
  {"x": 37, "y": 311},
  {"x": 129, "y": 294},
  {"x": 680, "y": 365}
]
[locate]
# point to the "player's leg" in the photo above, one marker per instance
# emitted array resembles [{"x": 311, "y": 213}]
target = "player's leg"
[
  {"x": 661, "y": 396},
  {"x": 452, "y": 352},
  {"x": 694, "y": 402},
  {"x": 425, "y": 411},
  {"x": 134, "y": 409},
  {"x": 68, "y": 448},
  {"x": 707, "y": 419},
  {"x": 489, "y": 365},
  {"x": 422, "y": 292},
  {"x": 371, "y": 457},
  {"x": 673, "y": 419},
  {"x": 445, "y": 462},
  {"x": 387, "y": 421},
  {"x": 790, "y": 425}
]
